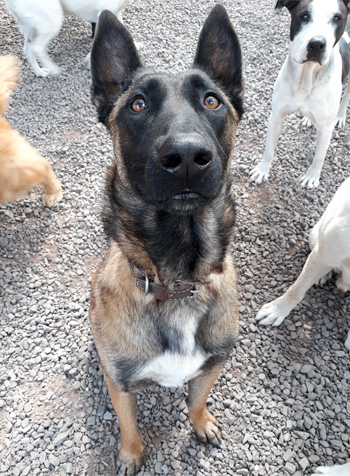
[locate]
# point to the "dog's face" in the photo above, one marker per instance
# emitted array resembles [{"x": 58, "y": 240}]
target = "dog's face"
[
  {"x": 173, "y": 135},
  {"x": 316, "y": 26}
]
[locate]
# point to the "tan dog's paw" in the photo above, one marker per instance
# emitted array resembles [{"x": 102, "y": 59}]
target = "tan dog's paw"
[
  {"x": 50, "y": 199},
  {"x": 128, "y": 464},
  {"x": 207, "y": 429}
]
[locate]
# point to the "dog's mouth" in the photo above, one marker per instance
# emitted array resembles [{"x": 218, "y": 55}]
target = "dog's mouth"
[{"x": 185, "y": 195}]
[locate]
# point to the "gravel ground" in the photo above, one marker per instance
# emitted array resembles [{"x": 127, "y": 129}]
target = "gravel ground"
[{"x": 283, "y": 398}]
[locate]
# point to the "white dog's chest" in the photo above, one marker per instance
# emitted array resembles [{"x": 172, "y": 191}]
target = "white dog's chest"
[{"x": 174, "y": 369}]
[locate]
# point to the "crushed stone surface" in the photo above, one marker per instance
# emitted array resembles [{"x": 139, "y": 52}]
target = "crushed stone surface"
[{"x": 283, "y": 397}]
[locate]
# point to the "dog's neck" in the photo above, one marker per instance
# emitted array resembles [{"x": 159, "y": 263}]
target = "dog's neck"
[
  {"x": 170, "y": 246},
  {"x": 304, "y": 77}
]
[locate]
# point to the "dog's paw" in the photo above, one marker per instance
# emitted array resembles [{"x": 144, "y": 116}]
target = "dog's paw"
[
  {"x": 50, "y": 199},
  {"x": 347, "y": 341},
  {"x": 310, "y": 180},
  {"x": 259, "y": 174},
  {"x": 340, "y": 122},
  {"x": 306, "y": 122},
  {"x": 342, "y": 285},
  {"x": 274, "y": 312},
  {"x": 343, "y": 470},
  {"x": 42, "y": 72},
  {"x": 326, "y": 278},
  {"x": 207, "y": 429},
  {"x": 129, "y": 464},
  {"x": 55, "y": 70}
]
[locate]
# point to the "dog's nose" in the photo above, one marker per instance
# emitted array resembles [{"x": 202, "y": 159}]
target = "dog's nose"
[
  {"x": 317, "y": 44},
  {"x": 185, "y": 156}
]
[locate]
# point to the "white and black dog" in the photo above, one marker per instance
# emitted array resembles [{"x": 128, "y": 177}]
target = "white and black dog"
[
  {"x": 330, "y": 249},
  {"x": 41, "y": 21},
  {"x": 310, "y": 80}
]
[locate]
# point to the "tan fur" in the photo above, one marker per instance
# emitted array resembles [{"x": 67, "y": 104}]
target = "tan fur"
[{"x": 21, "y": 166}]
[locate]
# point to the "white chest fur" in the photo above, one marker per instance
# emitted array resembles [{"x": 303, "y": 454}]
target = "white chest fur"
[{"x": 173, "y": 369}]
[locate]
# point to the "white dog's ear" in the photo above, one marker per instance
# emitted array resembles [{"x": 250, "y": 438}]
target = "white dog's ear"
[
  {"x": 114, "y": 59},
  {"x": 290, "y": 4}
]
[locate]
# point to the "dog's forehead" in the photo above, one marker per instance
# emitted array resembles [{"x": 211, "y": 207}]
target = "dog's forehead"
[
  {"x": 319, "y": 8},
  {"x": 167, "y": 83}
]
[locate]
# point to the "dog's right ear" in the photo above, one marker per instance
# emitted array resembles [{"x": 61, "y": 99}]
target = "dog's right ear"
[
  {"x": 114, "y": 59},
  {"x": 290, "y": 4}
]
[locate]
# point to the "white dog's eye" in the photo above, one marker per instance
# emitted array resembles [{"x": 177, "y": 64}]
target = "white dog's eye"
[
  {"x": 305, "y": 17},
  {"x": 336, "y": 18}
]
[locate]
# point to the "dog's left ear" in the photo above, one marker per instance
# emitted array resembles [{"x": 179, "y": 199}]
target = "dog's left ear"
[
  {"x": 114, "y": 59},
  {"x": 290, "y": 4},
  {"x": 219, "y": 54}
]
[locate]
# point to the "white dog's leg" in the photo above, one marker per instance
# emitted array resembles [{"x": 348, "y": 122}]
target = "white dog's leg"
[
  {"x": 261, "y": 171},
  {"x": 276, "y": 311},
  {"x": 342, "y": 470},
  {"x": 341, "y": 119},
  {"x": 29, "y": 50},
  {"x": 40, "y": 48},
  {"x": 312, "y": 177},
  {"x": 343, "y": 282}
]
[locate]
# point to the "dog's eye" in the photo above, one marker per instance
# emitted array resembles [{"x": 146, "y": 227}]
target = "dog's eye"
[
  {"x": 336, "y": 18},
  {"x": 211, "y": 102},
  {"x": 138, "y": 105},
  {"x": 305, "y": 17}
]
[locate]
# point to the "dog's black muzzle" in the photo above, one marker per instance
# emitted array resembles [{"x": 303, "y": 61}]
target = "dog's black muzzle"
[
  {"x": 316, "y": 50},
  {"x": 184, "y": 172}
]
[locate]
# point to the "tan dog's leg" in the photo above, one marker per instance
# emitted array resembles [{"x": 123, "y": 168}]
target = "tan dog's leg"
[
  {"x": 53, "y": 190},
  {"x": 205, "y": 425},
  {"x": 130, "y": 457}
]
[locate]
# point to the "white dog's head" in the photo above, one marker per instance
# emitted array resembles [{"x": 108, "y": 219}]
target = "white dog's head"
[{"x": 316, "y": 26}]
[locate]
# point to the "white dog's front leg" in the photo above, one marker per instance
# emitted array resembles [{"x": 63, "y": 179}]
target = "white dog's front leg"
[
  {"x": 261, "y": 171},
  {"x": 276, "y": 311},
  {"x": 312, "y": 177},
  {"x": 341, "y": 119}
]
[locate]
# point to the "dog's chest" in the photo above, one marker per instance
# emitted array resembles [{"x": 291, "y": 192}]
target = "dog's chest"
[{"x": 176, "y": 366}]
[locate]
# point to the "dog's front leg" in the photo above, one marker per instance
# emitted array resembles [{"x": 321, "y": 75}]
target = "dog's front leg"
[
  {"x": 261, "y": 171},
  {"x": 205, "y": 425},
  {"x": 130, "y": 457},
  {"x": 312, "y": 177},
  {"x": 276, "y": 311}
]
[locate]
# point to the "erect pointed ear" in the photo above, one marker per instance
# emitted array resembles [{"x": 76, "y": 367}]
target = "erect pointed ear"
[
  {"x": 114, "y": 59},
  {"x": 290, "y": 4},
  {"x": 347, "y": 4},
  {"x": 219, "y": 54}
]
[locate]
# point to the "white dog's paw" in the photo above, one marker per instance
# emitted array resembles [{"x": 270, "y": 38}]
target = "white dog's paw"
[
  {"x": 87, "y": 61},
  {"x": 54, "y": 70},
  {"x": 343, "y": 470},
  {"x": 42, "y": 72},
  {"x": 259, "y": 174},
  {"x": 347, "y": 343},
  {"x": 340, "y": 122},
  {"x": 306, "y": 122},
  {"x": 274, "y": 312},
  {"x": 310, "y": 180},
  {"x": 342, "y": 285},
  {"x": 326, "y": 278}
]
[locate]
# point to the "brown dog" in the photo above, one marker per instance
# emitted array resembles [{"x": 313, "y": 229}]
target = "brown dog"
[
  {"x": 164, "y": 303},
  {"x": 21, "y": 166}
]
